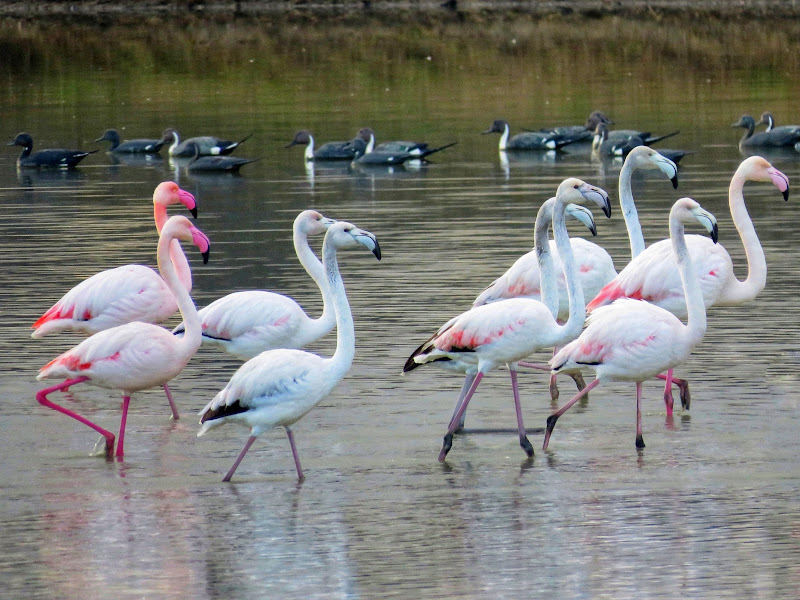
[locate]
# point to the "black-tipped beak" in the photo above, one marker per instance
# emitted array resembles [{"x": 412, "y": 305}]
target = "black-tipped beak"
[
  {"x": 715, "y": 233},
  {"x": 205, "y": 256},
  {"x": 593, "y": 229},
  {"x": 786, "y": 193},
  {"x": 194, "y": 212},
  {"x": 377, "y": 250},
  {"x": 674, "y": 181},
  {"x": 607, "y": 208}
]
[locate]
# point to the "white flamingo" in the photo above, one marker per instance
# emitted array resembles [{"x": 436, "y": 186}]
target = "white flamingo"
[
  {"x": 247, "y": 323},
  {"x": 522, "y": 279},
  {"x": 503, "y": 333},
  {"x": 654, "y": 275},
  {"x": 631, "y": 340},
  {"x": 278, "y": 387},
  {"x": 134, "y": 356}
]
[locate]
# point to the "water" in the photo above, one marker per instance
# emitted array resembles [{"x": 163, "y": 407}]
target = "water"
[{"x": 708, "y": 509}]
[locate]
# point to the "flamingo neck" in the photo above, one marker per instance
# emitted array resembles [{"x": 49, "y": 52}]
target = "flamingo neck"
[
  {"x": 309, "y": 153},
  {"x": 577, "y": 306},
  {"x": 504, "y": 138},
  {"x": 740, "y": 291},
  {"x": 695, "y": 327},
  {"x": 345, "y": 331},
  {"x": 175, "y": 251},
  {"x": 629, "y": 212},
  {"x": 548, "y": 286},
  {"x": 325, "y": 322},
  {"x": 190, "y": 342}
]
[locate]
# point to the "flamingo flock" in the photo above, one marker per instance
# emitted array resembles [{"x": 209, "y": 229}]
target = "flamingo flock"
[{"x": 565, "y": 296}]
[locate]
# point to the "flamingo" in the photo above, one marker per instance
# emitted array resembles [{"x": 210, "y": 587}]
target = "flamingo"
[
  {"x": 278, "y": 387},
  {"x": 522, "y": 279},
  {"x": 127, "y": 293},
  {"x": 654, "y": 275},
  {"x": 503, "y": 333},
  {"x": 134, "y": 356},
  {"x": 247, "y": 323},
  {"x": 632, "y": 340}
]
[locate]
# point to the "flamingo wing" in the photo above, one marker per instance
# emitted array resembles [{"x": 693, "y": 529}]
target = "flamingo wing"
[{"x": 110, "y": 298}]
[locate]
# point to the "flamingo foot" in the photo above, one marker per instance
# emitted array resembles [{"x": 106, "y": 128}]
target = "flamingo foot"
[
  {"x": 526, "y": 445},
  {"x": 551, "y": 423},
  {"x": 686, "y": 397},
  {"x": 107, "y": 448},
  {"x": 639, "y": 441},
  {"x": 668, "y": 401},
  {"x": 446, "y": 445}
]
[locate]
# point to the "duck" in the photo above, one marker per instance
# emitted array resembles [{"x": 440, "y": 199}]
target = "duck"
[
  {"x": 528, "y": 140},
  {"x": 216, "y": 164},
  {"x": 138, "y": 146},
  {"x": 619, "y": 142},
  {"x": 583, "y": 132},
  {"x": 56, "y": 158},
  {"x": 420, "y": 149},
  {"x": 779, "y": 137},
  {"x": 349, "y": 150},
  {"x": 208, "y": 145}
]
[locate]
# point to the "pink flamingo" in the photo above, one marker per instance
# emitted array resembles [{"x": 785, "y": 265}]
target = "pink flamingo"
[
  {"x": 247, "y": 323},
  {"x": 631, "y": 340},
  {"x": 278, "y": 387},
  {"x": 503, "y": 333},
  {"x": 134, "y": 356},
  {"x": 127, "y": 293},
  {"x": 654, "y": 276}
]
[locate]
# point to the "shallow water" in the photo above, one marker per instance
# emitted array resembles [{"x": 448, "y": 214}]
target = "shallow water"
[{"x": 708, "y": 509}]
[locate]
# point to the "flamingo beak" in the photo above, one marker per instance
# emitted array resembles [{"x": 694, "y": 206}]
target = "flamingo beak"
[{"x": 780, "y": 181}]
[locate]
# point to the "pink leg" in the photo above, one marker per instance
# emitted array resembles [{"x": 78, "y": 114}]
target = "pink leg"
[
  {"x": 448, "y": 438},
  {"x": 668, "y": 400},
  {"x": 300, "y": 476},
  {"x": 551, "y": 420},
  {"x": 537, "y": 366},
  {"x": 683, "y": 388},
  {"x": 126, "y": 400},
  {"x": 639, "y": 439},
  {"x": 175, "y": 415},
  {"x": 239, "y": 458},
  {"x": 523, "y": 439},
  {"x": 468, "y": 380},
  {"x": 41, "y": 398}
]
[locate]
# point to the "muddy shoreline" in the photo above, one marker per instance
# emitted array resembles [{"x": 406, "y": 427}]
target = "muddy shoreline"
[{"x": 108, "y": 12}]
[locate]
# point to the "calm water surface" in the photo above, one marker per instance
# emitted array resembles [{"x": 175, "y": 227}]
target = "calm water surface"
[{"x": 709, "y": 509}]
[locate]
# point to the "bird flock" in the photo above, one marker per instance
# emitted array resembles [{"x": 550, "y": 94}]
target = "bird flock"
[{"x": 633, "y": 332}]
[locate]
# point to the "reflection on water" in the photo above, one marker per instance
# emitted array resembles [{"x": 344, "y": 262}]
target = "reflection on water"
[{"x": 708, "y": 509}]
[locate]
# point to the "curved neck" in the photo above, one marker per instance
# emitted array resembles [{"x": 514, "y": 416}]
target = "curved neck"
[
  {"x": 548, "y": 287},
  {"x": 370, "y": 144},
  {"x": 504, "y": 138},
  {"x": 749, "y": 131},
  {"x": 315, "y": 269},
  {"x": 175, "y": 141},
  {"x": 635, "y": 234},
  {"x": 770, "y": 122},
  {"x": 309, "y": 153},
  {"x": 179, "y": 260},
  {"x": 740, "y": 291},
  {"x": 577, "y": 305},
  {"x": 345, "y": 331},
  {"x": 190, "y": 342},
  {"x": 695, "y": 327}
]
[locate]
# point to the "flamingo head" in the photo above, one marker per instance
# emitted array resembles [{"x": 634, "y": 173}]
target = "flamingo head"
[
  {"x": 578, "y": 191},
  {"x": 168, "y": 192},
  {"x": 346, "y": 235},
  {"x": 310, "y": 222},
  {"x": 687, "y": 210},
  {"x": 582, "y": 214},
  {"x": 645, "y": 157},
  {"x": 499, "y": 126},
  {"x": 301, "y": 138},
  {"x": 757, "y": 168},
  {"x": 179, "y": 227}
]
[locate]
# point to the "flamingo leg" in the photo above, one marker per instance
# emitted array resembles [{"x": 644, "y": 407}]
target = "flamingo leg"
[
  {"x": 464, "y": 389},
  {"x": 300, "y": 476},
  {"x": 683, "y": 388},
  {"x": 551, "y": 420},
  {"x": 175, "y": 415},
  {"x": 668, "y": 400},
  {"x": 523, "y": 438},
  {"x": 239, "y": 458},
  {"x": 639, "y": 439},
  {"x": 41, "y": 398},
  {"x": 126, "y": 400},
  {"x": 448, "y": 438}
]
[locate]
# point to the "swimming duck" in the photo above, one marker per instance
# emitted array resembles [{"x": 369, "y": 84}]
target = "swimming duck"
[
  {"x": 139, "y": 146},
  {"x": 208, "y": 145},
  {"x": 583, "y": 132},
  {"x": 54, "y": 157},
  {"x": 218, "y": 164},
  {"x": 419, "y": 149},
  {"x": 529, "y": 140},
  {"x": 330, "y": 150},
  {"x": 621, "y": 141},
  {"x": 774, "y": 138}
]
